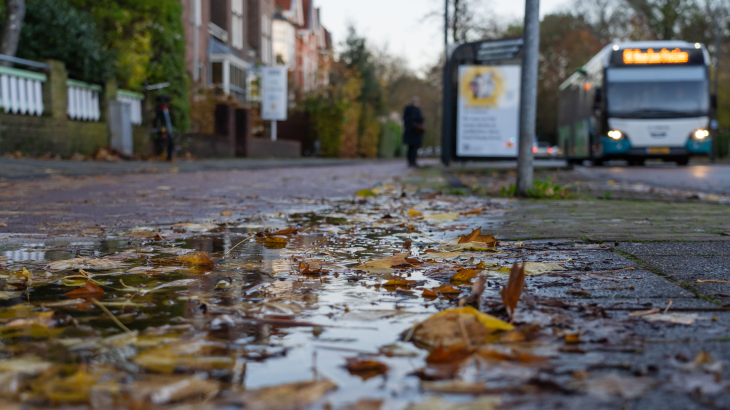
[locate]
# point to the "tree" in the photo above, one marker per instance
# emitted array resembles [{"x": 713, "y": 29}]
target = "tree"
[
  {"x": 14, "y": 15},
  {"x": 469, "y": 20}
]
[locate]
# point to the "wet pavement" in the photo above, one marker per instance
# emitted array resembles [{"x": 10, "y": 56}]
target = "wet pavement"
[{"x": 323, "y": 308}]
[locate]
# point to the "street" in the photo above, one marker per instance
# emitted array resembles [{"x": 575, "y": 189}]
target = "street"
[{"x": 299, "y": 273}]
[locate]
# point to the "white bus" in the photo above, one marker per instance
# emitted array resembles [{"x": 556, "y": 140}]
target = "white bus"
[{"x": 638, "y": 100}]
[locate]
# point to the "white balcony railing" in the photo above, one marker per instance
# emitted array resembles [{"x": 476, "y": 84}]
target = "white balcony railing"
[
  {"x": 21, "y": 91},
  {"x": 135, "y": 102},
  {"x": 83, "y": 101}
]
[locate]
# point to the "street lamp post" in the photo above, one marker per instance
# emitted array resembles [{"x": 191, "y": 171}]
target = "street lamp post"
[{"x": 528, "y": 96}]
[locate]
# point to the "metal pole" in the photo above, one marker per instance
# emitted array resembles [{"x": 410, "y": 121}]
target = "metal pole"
[
  {"x": 446, "y": 31},
  {"x": 528, "y": 96},
  {"x": 273, "y": 130},
  {"x": 716, "y": 85}
]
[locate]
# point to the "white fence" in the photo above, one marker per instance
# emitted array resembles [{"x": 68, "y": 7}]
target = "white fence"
[
  {"x": 83, "y": 101},
  {"x": 135, "y": 102},
  {"x": 21, "y": 91}
]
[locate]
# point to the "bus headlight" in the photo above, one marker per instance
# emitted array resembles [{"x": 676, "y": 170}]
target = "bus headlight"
[
  {"x": 615, "y": 134},
  {"x": 702, "y": 134}
]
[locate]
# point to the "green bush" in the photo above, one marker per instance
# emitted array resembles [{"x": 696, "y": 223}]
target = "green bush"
[
  {"x": 326, "y": 120},
  {"x": 53, "y": 29}
]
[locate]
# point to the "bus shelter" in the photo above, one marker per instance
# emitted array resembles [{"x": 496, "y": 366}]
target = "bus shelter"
[{"x": 482, "y": 101}]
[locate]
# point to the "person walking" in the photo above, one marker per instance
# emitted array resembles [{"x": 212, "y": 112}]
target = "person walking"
[{"x": 413, "y": 130}]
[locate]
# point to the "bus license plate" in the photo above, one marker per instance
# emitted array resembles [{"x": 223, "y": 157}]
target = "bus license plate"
[{"x": 658, "y": 150}]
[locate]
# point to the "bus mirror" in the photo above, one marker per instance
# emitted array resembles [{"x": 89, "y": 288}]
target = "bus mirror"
[{"x": 713, "y": 102}]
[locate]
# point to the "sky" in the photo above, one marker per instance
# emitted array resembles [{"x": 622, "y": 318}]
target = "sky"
[{"x": 399, "y": 24}]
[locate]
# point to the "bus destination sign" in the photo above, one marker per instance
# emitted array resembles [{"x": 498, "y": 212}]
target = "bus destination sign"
[{"x": 636, "y": 56}]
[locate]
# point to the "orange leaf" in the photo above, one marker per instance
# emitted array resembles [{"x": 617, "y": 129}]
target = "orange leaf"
[
  {"x": 195, "y": 259},
  {"x": 447, "y": 289},
  {"x": 465, "y": 275},
  {"x": 451, "y": 354},
  {"x": 476, "y": 236},
  {"x": 476, "y": 211},
  {"x": 287, "y": 231},
  {"x": 365, "y": 368},
  {"x": 400, "y": 282},
  {"x": 90, "y": 289},
  {"x": 512, "y": 292}
]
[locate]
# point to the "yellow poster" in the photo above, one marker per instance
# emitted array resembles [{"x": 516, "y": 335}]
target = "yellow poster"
[{"x": 488, "y": 111}]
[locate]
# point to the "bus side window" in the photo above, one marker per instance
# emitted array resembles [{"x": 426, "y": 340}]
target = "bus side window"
[{"x": 598, "y": 100}]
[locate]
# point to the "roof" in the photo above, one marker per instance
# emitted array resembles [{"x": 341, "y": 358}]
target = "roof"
[{"x": 284, "y": 4}]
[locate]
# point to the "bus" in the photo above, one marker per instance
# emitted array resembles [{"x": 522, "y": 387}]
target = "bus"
[{"x": 638, "y": 100}]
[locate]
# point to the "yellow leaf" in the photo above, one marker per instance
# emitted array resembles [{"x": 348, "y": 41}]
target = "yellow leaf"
[
  {"x": 442, "y": 217},
  {"x": 298, "y": 395},
  {"x": 226, "y": 213},
  {"x": 413, "y": 213},
  {"x": 194, "y": 259},
  {"x": 275, "y": 242},
  {"x": 384, "y": 265},
  {"x": 445, "y": 328},
  {"x": 465, "y": 275}
]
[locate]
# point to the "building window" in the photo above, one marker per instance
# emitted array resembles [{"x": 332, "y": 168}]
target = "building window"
[{"x": 237, "y": 24}]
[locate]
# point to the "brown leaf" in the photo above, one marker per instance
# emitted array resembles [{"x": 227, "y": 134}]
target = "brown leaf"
[
  {"x": 451, "y": 354},
  {"x": 311, "y": 267},
  {"x": 476, "y": 291},
  {"x": 292, "y": 396},
  {"x": 465, "y": 275},
  {"x": 384, "y": 265},
  {"x": 447, "y": 289},
  {"x": 512, "y": 292},
  {"x": 365, "y": 368},
  {"x": 477, "y": 237},
  {"x": 476, "y": 211},
  {"x": 400, "y": 282},
  {"x": 226, "y": 213},
  {"x": 433, "y": 195},
  {"x": 286, "y": 231},
  {"x": 194, "y": 259},
  {"x": 90, "y": 289},
  {"x": 275, "y": 242}
]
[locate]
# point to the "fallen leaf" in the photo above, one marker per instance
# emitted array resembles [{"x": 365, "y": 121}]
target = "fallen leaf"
[
  {"x": 678, "y": 318},
  {"x": 442, "y": 217},
  {"x": 465, "y": 275},
  {"x": 476, "y": 211},
  {"x": 72, "y": 389},
  {"x": 194, "y": 355},
  {"x": 83, "y": 263},
  {"x": 90, "y": 289},
  {"x": 446, "y": 290},
  {"x": 712, "y": 281},
  {"x": 432, "y": 195},
  {"x": 226, "y": 213},
  {"x": 275, "y": 242},
  {"x": 606, "y": 386},
  {"x": 365, "y": 193},
  {"x": 452, "y": 354},
  {"x": 292, "y": 396},
  {"x": 413, "y": 213},
  {"x": 311, "y": 267},
  {"x": 512, "y": 292},
  {"x": 437, "y": 403},
  {"x": 193, "y": 259},
  {"x": 145, "y": 235},
  {"x": 43, "y": 319},
  {"x": 286, "y": 231},
  {"x": 644, "y": 312},
  {"x": 365, "y": 368},
  {"x": 476, "y": 237},
  {"x": 494, "y": 353},
  {"x": 190, "y": 227},
  {"x": 578, "y": 292},
  {"x": 161, "y": 389},
  {"x": 454, "y": 387},
  {"x": 536, "y": 268},
  {"x": 384, "y": 265},
  {"x": 445, "y": 328},
  {"x": 400, "y": 282}
]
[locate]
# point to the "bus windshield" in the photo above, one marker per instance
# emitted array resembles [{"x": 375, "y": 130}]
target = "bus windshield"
[{"x": 657, "y": 92}]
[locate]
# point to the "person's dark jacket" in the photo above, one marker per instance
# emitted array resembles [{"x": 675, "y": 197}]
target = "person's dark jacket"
[{"x": 411, "y": 116}]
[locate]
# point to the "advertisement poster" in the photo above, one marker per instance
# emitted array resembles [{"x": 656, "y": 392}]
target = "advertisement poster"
[
  {"x": 273, "y": 93},
  {"x": 487, "y": 122}
]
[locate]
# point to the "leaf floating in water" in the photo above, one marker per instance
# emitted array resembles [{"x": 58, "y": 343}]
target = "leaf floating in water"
[
  {"x": 437, "y": 403},
  {"x": 191, "y": 259},
  {"x": 89, "y": 290},
  {"x": 384, "y": 265},
  {"x": 275, "y": 242},
  {"x": 476, "y": 237},
  {"x": 83, "y": 263},
  {"x": 292, "y": 396},
  {"x": 190, "y": 227},
  {"x": 465, "y": 275},
  {"x": 445, "y": 328},
  {"x": 365, "y": 368}
]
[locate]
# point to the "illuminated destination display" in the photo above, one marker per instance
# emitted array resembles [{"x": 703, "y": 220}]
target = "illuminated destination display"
[{"x": 636, "y": 56}]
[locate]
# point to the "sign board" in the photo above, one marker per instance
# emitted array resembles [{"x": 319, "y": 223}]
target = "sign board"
[
  {"x": 488, "y": 108},
  {"x": 274, "y": 93}
]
